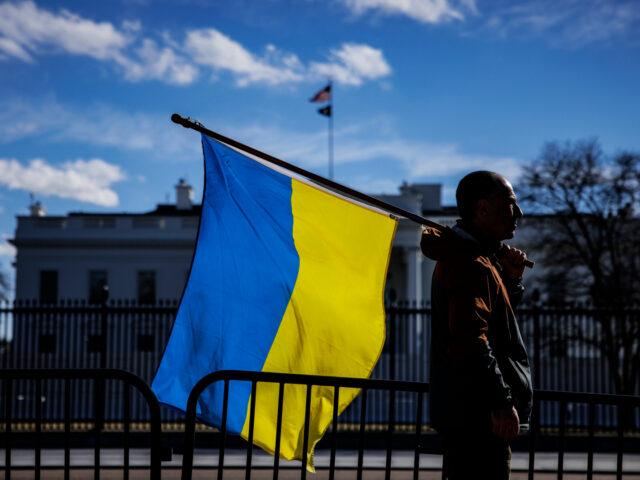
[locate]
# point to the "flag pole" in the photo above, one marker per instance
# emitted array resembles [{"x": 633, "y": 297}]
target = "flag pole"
[
  {"x": 188, "y": 123},
  {"x": 331, "y": 131},
  {"x": 350, "y": 192}
]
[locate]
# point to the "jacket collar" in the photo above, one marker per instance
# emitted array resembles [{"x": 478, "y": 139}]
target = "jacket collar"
[{"x": 469, "y": 231}]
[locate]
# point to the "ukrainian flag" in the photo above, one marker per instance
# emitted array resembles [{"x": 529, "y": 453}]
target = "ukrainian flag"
[{"x": 286, "y": 277}]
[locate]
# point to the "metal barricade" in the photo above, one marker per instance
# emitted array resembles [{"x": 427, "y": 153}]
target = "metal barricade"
[
  {"x": 557, "y": 432},
  {"x": 56, "y": 386},
  {"x": 365, "y": 385},
  {"x": 627, "y": 410}
]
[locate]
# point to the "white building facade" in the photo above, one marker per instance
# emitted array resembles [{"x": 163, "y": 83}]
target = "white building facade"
[{"x": 146, "y": 257}]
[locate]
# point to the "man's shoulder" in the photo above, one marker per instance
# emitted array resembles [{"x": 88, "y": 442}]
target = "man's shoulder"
[
  {"x": 468, "y": 265},
  {"x": 471, "y": 257}
]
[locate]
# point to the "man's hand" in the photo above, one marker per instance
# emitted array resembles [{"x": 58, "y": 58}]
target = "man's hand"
[
  {"x": 513, "y": 262},
  {"x": 506, "y": 423}
]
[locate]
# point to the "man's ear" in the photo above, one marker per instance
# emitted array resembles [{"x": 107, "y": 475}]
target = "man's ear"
[{"x": 482, "y": 208}]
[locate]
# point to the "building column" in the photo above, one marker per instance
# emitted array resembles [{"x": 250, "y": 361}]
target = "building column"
[{"x": 413, "y": 259}]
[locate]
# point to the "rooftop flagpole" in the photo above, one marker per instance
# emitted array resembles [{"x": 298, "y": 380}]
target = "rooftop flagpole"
[
  {"x": 326, "y": 95},
  {"x": 363, "y": 197}
]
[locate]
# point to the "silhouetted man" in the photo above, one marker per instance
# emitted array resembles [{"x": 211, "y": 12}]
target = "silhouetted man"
[{"x": 480, "y": 379}]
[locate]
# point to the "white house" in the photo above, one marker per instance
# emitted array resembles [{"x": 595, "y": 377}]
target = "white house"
[{"x": 146, "y": 256}]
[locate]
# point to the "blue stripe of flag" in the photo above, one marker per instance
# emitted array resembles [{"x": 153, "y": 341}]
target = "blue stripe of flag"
[{"x": 243, "y": 273}]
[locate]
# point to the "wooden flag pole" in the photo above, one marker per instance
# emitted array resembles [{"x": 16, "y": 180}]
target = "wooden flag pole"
[{"x": 363, "y": 197}]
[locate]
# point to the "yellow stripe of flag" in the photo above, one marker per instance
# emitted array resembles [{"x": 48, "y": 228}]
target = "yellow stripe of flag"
[{"x": 334, "y": 322}]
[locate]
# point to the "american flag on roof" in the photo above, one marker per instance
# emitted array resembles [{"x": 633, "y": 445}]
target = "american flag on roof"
[{"x": 323, "y": 95}]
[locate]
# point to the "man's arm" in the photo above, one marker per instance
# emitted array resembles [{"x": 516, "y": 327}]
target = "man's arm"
[
  {"x": 506, "y": 423},
  {"x": 470, "y": 313},
  {"x": 513, "y": 265}
]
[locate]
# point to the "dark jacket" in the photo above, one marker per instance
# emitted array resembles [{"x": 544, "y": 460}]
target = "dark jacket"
[{"x": 478, "y": 361}]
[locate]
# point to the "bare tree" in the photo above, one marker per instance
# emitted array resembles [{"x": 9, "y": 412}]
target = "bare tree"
[
  {"x": 589, "y": 241},
  {"x": 4, "y": 287}
]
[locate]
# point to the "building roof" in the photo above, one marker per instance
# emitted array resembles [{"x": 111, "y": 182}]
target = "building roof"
[{"x": 165, "y": 210}]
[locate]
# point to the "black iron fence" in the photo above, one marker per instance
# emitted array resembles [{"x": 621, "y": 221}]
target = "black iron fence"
[
  {"x": 408, "y": 442},
  {"x": 562, "y": 343},
  {"x": 624, "y": 408},
  {"x": 68, "y": 388},
  {"x": 389, "y": 389}
]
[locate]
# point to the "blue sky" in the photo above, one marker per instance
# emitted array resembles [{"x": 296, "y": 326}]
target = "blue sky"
[{"x": 424, "y": 91}]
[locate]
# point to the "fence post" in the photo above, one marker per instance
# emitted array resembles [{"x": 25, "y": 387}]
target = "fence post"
[
  {"x": 536, "y": 346},
  {"x": 103, "y": 325},
  {"x": 101, "y": 387},
  {"x": 392, "y": 343}
]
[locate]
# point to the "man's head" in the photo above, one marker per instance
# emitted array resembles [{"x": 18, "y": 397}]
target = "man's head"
[{"x": 486, "y": 200}]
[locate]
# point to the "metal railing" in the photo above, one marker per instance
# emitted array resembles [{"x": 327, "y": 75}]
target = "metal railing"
[
  {"x": 625, "y": 406},
  {"x": 365, "y": 385},
  {"x": 43, "y": 381},
  {"x": 131, "y": 337},
  {"x": 393, "y": 431}
]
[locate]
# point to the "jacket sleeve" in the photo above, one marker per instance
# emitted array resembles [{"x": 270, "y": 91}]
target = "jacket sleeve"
[
  {"x": 470, "y": 317},
  {"x": 514, "y": 288}
]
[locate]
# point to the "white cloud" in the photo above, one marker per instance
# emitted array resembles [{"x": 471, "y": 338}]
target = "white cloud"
[
  {"x": 426, "y": 160},
  {"x": 97, "y": 125},
  {"x": 6, "y": 249},
  {"x": 22, "y": 119},
  {"x": 31, "y": 29},
  {"x": 364, "y": 60},
  {"x": 416, "y": 159},
  {"x": 155, "y": 134},
  {"x": 425, "y": 11},
  {"x": 212, "y": 48},
  {"x": 571, "y": 22},
  {"x": 28, "y": 31},
  {"x": 11, "y": 48},
  {"x": 131, "y": 25},
  {"x": 308, "y": 150},
  {"x": 84, "y": 180},
  {"x": 371, "y": 184},
  {"x": 445, "y": 160},
  {"x": 159, "y": 63},
  {"x": 352, "y": 63}
]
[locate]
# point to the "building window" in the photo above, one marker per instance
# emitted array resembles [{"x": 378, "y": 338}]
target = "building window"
[
  {"x": 48, "y": 286},
  {"x": 148, "y": 223},
  {"x": 97, "y": 284},
  {"x": 146, "y": 287},
  {"x": 51, "y": 222},
  {"x": 99, "y": 222}
]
